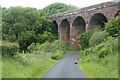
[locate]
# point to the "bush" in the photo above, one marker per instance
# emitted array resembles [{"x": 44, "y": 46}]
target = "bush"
[
  {"x": 44, "y": 48},
  {"x": 25, "y": 39},
  {"x": 108, "y": 47},
  {"x": 64, "y": 47},
  {"x": 104, "y": 52},
  {"x": 85, "y": 37},
  {"x": 9, "y": 37},
  {"x": 98, "y": 37},
  {"x": 111, "y": 61},
  {"x": 112, "y": 43},
  {"x": 58, "y": 55},
  {"x": 32, "y": 47},
  {"x": 9, "y": 48},
  {"x": 112, "y": 26}
]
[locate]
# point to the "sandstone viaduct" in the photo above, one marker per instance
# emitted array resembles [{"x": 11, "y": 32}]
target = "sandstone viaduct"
[{"x": 71, "y": 24}]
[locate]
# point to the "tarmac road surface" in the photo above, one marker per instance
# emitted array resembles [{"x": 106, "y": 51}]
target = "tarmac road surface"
[{"x": 66, "y": 68}]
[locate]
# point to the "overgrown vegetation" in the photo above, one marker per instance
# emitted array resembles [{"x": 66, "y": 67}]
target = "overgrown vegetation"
[
  {"x": 30, "y": 43},
  {"x": 26, "y": 66},
  {"x": 28, "y": 25},
  {"x": 101, "y": 54},
  {"x": 58, "y": 55},
  {"x": 84, "y": 37},
  {"x": 23, "y": 25},
  {"x": 30, "y": 46},
  {"x": 9, "y": 48},
  {"x": 33, "y": 64},
  {"x": 98, "y": 37},
  {"x": 113, "y": 26}
]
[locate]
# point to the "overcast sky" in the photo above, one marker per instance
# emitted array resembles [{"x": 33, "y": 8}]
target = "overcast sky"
[{"x": 40, "y": 4}]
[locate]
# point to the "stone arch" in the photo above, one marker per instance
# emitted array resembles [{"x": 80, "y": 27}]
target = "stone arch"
[
  {"x": 65, "y": 31},
  {"x": 55, "y": 24},
  {"x": 78, "y": 26},
  {"x": 98, "y": 19}
]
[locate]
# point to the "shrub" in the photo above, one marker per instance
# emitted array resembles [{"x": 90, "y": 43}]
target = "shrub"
[
  {"x": 112, "y": 43},
  {"x": 112, "y": 26},
  {"x": 108, "y": 47},
  {"x": 84, "y": 37},
  {"x": 44, "y": 48},
  {"x": 104, "y": 52},
  {"x": 58, "y": 55},
  {"x": 111, "y": 61},
  {"x": 25, "y": 39},
  {"x": 98, "y": 37},
  {"x": 32, "y": 47},
  {"x": 56, "y": 45},
  {"x": 9, "y": 48},
  {"x": 64, "y": 47}
]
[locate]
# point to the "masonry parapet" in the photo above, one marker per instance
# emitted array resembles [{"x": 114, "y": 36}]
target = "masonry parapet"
[{"x": 85, "y": 9}]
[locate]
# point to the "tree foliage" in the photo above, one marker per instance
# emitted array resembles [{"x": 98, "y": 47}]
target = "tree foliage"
[
  {"x": 98, "y": 37},
  {"x": 58, "y": 8},
  {"x": 26, "y": 25},
  {"x": 23, "y": 25},
  {"x": 113, "y": 26},
  {"x": 85, "y": 37}
]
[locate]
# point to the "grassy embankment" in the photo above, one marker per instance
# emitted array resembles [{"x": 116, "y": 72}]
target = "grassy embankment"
[
  {"x": 0, "y": 61},
  {"x": 100, "y": 60},
  {"x": 25, "y": 65},
  {"x": 94, "y": 67}
]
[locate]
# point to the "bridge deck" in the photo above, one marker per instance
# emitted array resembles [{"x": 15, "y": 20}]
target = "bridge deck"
[{"x": 85, "y": 9}]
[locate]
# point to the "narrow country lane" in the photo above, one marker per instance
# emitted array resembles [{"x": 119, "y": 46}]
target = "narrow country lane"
[{"x": 66, "y": 68}]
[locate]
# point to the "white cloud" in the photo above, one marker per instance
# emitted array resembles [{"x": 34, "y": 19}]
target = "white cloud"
[{"x": 39, "y": 4}]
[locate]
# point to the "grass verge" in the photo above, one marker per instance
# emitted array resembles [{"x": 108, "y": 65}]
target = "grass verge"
[
  {"x": 26, "y": 66},
  {"x": 0, "y": 67},
  {"x": 96, "y": 70}
]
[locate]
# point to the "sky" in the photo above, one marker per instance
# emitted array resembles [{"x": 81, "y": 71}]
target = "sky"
[{"x": 40, "y": 4}]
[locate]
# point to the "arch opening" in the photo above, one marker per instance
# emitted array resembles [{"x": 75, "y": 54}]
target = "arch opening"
[
  {"x": 65, "y": 32},
  {"x": 55, "y": 29},
  {"x": 78, "y": 27},
  {"x": 99, "y": 20},
  {"x": 117, "y": 14}
]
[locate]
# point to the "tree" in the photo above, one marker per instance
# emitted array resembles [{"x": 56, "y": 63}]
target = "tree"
[
  {"x": 25, "y": 25},
  {"x": 113, "y": 26},
  {"x": 58, "y": 8}
]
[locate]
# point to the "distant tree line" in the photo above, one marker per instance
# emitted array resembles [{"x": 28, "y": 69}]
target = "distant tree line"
[{"x": 58, "y": 8}]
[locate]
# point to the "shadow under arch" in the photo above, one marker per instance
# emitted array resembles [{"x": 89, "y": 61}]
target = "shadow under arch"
[
  {"x": 65, "y": 32},
  {"x": 78, "y": 27},
  {"x": 99, "y": 20},
  {"x": 117, "y": 14},
  {"x": 55, "y": 28}
]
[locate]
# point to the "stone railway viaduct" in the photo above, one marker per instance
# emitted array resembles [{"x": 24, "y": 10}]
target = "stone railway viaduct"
[{"x": 71, "y": 24}]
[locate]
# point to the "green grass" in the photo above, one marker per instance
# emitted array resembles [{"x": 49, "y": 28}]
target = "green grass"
[
  {"x": 96, "y": 70},
  {"x": 95, "y": 67},
  {"x": 0, "y": 60},
  {"x": 0, "y": 67},
  {"x": 100, "y": 60},
  {"x": 26, "y": 66}
]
